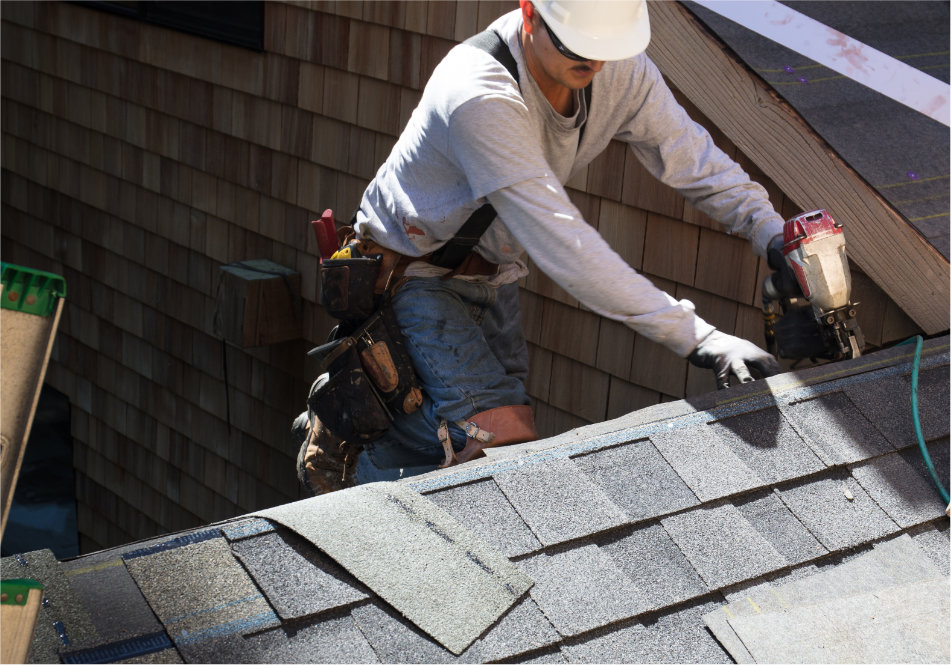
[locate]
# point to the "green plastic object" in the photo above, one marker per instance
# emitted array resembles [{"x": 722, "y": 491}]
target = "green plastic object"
[
  {"x": 31, "y": 291},
  {"x": 15, "y": 592}
]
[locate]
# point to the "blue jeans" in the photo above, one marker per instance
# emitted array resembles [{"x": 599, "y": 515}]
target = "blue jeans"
[{"x": 469, "y": 352}]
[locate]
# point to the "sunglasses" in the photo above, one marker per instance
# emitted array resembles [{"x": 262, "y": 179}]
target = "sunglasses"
[{"x": 571, "y": 55}]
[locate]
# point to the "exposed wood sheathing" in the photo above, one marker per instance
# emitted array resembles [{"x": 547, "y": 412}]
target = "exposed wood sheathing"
[{"x": 137, "y": 160}]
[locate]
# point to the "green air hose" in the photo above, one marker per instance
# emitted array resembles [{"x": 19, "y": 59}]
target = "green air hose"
[{"x": 914, "y": 414}]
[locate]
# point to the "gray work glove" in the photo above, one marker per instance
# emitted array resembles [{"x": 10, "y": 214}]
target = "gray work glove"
[{"x": 726, "y": 354}]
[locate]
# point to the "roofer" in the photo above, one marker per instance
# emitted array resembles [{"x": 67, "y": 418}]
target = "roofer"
[{"x": 482, "y": 135}]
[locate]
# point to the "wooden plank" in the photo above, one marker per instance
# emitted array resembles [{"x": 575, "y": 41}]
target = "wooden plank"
[
  {"x": 578, "y": 389},
  {"x": 606, "y": 172},
  {"x": 570, "y": 331},
  {"x": 369, "y": 50},
  {"x": 766, "y": 129},
  {"x": 657, "y": 368},
  {"x": 670, "y": 249},
  {"x": 615, "y": 348},
  {"x": 624, "y": 228},
  {"x": 625, "y": 397},
  {"x": 21, "y": 602},
  {"x": 642, "y": 190},
  {"x": 28, "y": 336},
  {"x": 727, "y": 267}
]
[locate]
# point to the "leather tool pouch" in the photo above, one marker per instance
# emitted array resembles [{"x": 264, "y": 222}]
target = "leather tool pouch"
[
  {"x": 347, "y": 287},
  {"x": 371, "y": 378}
]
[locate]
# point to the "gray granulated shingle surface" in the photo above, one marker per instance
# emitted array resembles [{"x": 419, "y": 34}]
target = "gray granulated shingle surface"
[
  {"x": 836, "y": 431},
  {"x": 63, "y": 605},
  {"x": 638, "y": 479},
  {"x": 721, "y": 545},
  {"x": 677, "y": 637},
  {"x": 768, "y": 445},
  {"x": 656, "y": 565},
  {"x": 933, "y": 541},
  {"x": 768, "y": 515},
  {"x": 545, "y": 657},
  {"x": 620, "y": 645},
  {"x": 938, "y": 452},
  {"x": 838, "y": 512},
  {"x": 882, "y": 403},
  {"x": 396, "y": 640},
  {"x": 680, "y": 637},
  {"x": 115, "y": 605},
  {"x": 482, "y": 507},
  {"x": 296, "y": 578},
  {"x": 899, "y": 490},
  {"x": 525, "y": 628},
  {"x": 892, "y": 562},
  {"x": 933, "y": 401},
  {"x": 705, "y": 463},
  {"x": 200, "y": 592},
  {"x": 907, "y": 623},
  {"x": 412, "y": 554},
  {"x": 246, "y": 528},
  {"x": 558, "y": 501},
  {"x": 582, "y": 588},
  {"x": 331, "y": 639}
]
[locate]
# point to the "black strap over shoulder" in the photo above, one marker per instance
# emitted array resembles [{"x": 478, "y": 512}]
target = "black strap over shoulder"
[{"x": 455, "y": 250}]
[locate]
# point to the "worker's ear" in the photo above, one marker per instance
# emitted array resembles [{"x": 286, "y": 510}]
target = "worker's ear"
[{"x": 528, "y": 15}]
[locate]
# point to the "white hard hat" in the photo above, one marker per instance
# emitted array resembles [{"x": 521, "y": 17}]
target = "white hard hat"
[{"x": 598, "y": 29}]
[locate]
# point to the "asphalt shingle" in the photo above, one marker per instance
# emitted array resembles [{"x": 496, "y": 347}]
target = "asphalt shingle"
[
  {"x": 581, "y": 588},
  {"x": 838, "y": 512},
  {"x": 638, "y": 479},
  {"x": 722, "y": 546},
  {"x": 482, "y": 507},
  {"x": 938, "y": 451},
  {"x": 864, "y": 628},
  {"x": 200, "y": 592},
  {"x": 328, "y": 640},
  {"x": 656, "y": 565},
  {"x": 899, "y": 490},
  {"x": 836, "y": 431},
  {"x": 424, "y": 563},
  {"x": 677, "y": 637},
  {"x": 114, "y": 603},
  {"x": 62, "y": 620},
  {"x": 705, "y": 463},
  {"x": 768, "y": 445},
  {"x": 768, "y": 515},
  {"x": 558, "y": 501},
  {"x": 886, "y": 403},
  {"x": 296, "y": 578},
  {"x": 933, "y": 400}
]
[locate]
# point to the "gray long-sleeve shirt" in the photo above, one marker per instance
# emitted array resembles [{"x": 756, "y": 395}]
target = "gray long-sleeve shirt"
[{"x": 476, "y": 136}]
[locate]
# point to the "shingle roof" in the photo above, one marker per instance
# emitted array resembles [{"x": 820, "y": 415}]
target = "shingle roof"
[
  {"x": 633, "y": 534},
  {"x": 901, "y": 153}
]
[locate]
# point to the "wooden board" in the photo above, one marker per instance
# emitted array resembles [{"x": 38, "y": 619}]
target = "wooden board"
[
  {"x": 800, "y": 162},
  {"x": 25, "y": 344},
  {"x": 18, "y": 619}
]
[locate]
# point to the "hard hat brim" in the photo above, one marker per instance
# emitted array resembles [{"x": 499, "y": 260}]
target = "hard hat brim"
[{"x": 615, "y": 47}]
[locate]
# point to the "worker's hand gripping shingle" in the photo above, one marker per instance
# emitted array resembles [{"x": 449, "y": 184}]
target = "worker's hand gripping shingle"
[{"x": 726, "y": 355}]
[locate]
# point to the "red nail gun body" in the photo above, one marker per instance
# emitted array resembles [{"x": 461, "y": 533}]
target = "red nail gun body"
[{"x": 824, "y": 326}]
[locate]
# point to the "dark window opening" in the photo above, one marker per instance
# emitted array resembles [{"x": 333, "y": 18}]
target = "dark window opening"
[
  {"x": 43, "y": 510},
  {"x": 239, "y": 23}
]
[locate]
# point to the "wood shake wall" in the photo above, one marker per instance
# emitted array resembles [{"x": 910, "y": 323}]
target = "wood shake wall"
[{"x": 137, "y": 160}]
